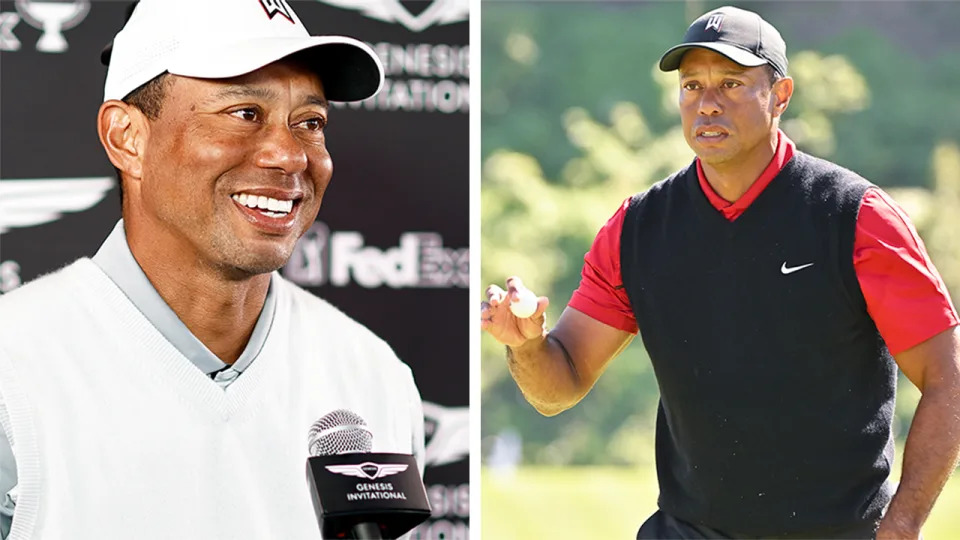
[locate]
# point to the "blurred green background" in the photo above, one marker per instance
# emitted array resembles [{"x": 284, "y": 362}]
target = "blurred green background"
[{"x": 575, "y": 118}]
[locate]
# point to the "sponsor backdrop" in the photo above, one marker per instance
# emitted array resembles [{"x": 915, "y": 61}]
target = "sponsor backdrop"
[{"x": 390, "y": 244}]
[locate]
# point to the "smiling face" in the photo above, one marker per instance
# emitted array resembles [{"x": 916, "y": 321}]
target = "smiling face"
[
  {"x": 234, "y": 170},
  {"x": 729, "y": 112}
]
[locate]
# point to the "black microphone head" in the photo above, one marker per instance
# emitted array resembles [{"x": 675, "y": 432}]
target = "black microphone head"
[{"x": 339, "y": 432}]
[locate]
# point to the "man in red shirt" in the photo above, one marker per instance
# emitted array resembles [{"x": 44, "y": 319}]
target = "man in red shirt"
[{"x": 733, "y": 90}]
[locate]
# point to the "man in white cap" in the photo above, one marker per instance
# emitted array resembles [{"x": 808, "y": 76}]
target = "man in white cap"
[
  {"x": 776, "y": 294},
  {"x": 164, "y": 388}
]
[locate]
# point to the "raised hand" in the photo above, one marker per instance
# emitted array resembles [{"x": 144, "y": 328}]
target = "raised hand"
[{"x": 501, "y": 323}]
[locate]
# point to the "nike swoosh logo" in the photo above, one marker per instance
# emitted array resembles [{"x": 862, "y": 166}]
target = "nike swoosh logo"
[{"x": 784, "y": 269}]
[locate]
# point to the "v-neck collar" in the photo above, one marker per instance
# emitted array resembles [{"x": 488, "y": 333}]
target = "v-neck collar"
[
  {"x": 783, "y": 152},
  {"x": 708, "y": 212},
  {"x": 116, "y": 261},
  {"x": 159, "y": 360}
]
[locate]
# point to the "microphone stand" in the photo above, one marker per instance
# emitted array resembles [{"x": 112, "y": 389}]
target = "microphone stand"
[{"x": 366, "y": 531}]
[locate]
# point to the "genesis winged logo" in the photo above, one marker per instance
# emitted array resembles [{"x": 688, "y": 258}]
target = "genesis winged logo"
[
  {"x": 368, "y": 470},
  {"x": 26, "y": 203},
  {"x": 438, "y": 12},
  {"x": 447, "y": 433}
]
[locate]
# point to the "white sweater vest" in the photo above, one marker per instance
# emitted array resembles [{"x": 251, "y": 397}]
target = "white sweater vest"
[{"x": 118, "y": 436}]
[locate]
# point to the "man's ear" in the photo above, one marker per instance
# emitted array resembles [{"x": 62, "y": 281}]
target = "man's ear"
[
  {"x": 781, "y": 93},
  {"x": 123, "y": 131}
]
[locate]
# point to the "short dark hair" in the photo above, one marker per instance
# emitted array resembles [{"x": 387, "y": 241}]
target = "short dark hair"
[
  {"x": 148, "y": 98},
  {"x": 773, "y": 74}
]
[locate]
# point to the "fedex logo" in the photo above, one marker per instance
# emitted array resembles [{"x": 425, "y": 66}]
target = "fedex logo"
[{"x": 340, "y": 258}]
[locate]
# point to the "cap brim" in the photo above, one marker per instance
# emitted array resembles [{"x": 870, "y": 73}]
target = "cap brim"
[
  {"x": 670, "y": 60},
  {"x": 348, "y": 68}
]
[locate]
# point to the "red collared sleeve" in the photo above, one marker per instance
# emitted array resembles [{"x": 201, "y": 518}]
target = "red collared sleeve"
[
  {"x": 601, "y": 294},
  {"x": 905, "y": 295}
]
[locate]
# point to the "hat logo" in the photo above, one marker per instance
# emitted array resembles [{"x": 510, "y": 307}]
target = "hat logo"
[
  {"x": 714, "y": 22},
  {"x": 272, "y": 7}
]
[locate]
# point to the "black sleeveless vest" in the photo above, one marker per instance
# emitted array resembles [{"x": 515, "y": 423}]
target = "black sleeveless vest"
[{"x": 777, "y": 391}]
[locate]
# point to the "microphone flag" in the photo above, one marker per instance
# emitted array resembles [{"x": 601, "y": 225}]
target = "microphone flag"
[{"x": 356, "y": 488}]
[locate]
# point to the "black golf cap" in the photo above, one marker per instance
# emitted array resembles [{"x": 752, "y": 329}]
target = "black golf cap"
[{"x": 740, "y": 35}]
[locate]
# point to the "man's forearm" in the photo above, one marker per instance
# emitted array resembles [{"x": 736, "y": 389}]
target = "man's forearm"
[
  {"x": 545, "y": 374},
  {"x": 929, "y": 457}
]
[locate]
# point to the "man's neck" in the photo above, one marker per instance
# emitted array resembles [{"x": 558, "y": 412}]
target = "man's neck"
[
  {"x": 218, "y": 311},
  {"x": 731, "y": 179}
]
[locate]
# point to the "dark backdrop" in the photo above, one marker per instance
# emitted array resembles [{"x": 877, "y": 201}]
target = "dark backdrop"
[{"x": 390, "y": 244}]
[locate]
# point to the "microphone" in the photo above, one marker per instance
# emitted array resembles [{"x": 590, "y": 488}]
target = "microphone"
[{"x": 358, "y": 494}]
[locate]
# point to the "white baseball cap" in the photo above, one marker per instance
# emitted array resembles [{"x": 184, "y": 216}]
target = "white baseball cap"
[{"x": 214, "y": 39}]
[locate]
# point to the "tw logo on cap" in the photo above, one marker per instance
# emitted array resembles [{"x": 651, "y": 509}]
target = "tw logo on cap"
[
  {"x": 272, "y": 7},
  {"x": 714, "y": 22}
]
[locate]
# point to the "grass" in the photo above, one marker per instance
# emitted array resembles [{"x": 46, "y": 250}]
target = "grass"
[{"x": 560, "y": 503}]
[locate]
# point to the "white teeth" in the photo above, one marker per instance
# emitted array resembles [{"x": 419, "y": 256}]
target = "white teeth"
[
  {"x": 271, "y": 207},
  {"x": 710, "y": 133}
]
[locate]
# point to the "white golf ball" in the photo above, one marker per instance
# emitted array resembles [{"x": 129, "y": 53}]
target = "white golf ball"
[{"x": 525, "y": 305}]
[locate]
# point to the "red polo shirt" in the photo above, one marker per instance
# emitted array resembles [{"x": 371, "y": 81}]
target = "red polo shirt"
[{"x": 905, "y": 295}]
